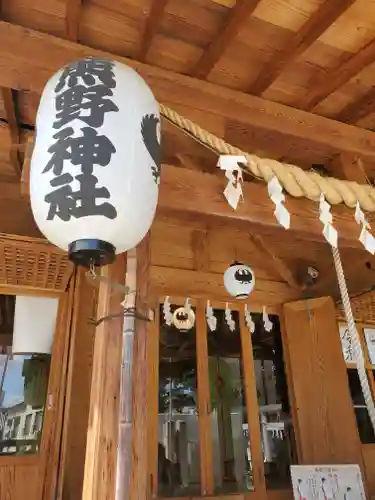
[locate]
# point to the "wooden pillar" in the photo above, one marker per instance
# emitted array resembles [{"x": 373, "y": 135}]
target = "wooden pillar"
[
  {"x": 140, "y": 485},
  {"x": 102, "y": 435},
  {"x": 324, "y": 419},
  {"x": 79, "y": 383}
]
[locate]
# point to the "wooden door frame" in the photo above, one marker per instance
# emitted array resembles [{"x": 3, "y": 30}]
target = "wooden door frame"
[
  {"x": 47, "y": 459},
  {"x": 206, "y": 475}
]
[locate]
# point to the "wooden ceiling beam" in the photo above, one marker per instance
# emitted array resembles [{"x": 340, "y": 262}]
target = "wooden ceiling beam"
[
  {"x": 337, "y": 77},
  {"x": 22, "y": 71},
  {"x": 238, "y": 16},
  {"x": 299, "y": 42},
  {"x": 358, "y": 109},
  {"x": 151, "y": 26},
  {"x": 72, "y": 17}
]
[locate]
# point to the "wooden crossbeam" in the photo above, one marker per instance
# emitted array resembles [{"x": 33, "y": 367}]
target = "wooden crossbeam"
[
  {"x": 359, "y": 108},
  {"x": 151, "y": 25},
  {"x": 72, "y": 16},
  {"x": 337, "y": 77},
  {"x": 299, "y": 42},
  {"x": 191, "y": 195},
  {"x": 238, "y": 16},
  {"x": 22, "y": 72}
]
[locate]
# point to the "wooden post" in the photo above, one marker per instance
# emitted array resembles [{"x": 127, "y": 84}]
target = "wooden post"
[
  {"x": 102, "y": 435},
  {"x": 140, "y": 487}
]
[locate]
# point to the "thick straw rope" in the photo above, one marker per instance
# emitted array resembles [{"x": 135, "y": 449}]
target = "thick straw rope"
[{"x": 297, "y": 182}]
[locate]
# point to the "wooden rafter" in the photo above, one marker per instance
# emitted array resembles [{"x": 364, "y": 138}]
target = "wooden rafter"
[
  {"x": 349, "y": 167},
  {"x": 299, "y": 42},
  {"x": 358, "y": 109},
  {"x": 338, "y": 76},
  {"x": 21, "y": 72},
  {"x": 72, "y": 16},
  {"x": 239, "y": 14},
  {"x": 10, "y": 111},
  {"x": 280, "y": 267},
  {"x": 151, "y": 25}
]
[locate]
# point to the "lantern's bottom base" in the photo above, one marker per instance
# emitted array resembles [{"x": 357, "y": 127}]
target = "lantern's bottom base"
[{"x": 89, "y": 252}]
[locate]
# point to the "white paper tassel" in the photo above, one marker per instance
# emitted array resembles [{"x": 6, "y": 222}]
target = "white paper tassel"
[
  {"x": 229, "y": 319},
  {"x": 233, "y": 191},
  {"x": 275, "y": 192},
  {"x": 211, "y": 319},
  {"x": 168, "y": 316},
  {"x": 266, "y": 320},
  {"x": 329, "y": 232},
  {"x": 187, "y": 305},
  {"x": 366, "y": 238},
  {"x": 249, "y": 320}
]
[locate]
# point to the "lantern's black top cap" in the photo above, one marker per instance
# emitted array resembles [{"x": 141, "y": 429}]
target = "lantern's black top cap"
[{"x": 89, "y": 252}]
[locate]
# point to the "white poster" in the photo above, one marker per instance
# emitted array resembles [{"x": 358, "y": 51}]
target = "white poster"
[
  {"x": 327, "y": 482},
  {"x": 346, "y": 344},
  {"x": 370, "y": 343}
]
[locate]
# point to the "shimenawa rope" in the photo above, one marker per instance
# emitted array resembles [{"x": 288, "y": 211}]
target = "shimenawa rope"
[{"x": 296, "y": 181}]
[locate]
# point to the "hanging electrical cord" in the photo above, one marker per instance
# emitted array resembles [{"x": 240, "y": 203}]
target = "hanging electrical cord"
[{"x": 354, "y": 337}]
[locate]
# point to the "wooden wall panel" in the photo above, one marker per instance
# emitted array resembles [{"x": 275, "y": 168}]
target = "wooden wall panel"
[
  {"x": 368, "y": 452},
  {"x": 326, "y": 426},
  {"x": 18, "y": 482}
]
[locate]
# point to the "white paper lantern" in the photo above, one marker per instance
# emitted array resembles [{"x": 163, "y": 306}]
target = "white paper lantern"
[
  {"x": 95, "y": 168},
  {"x": 239, "y": 280},
  {"x": 34, "y": 324},
  {"x": 182, "y": 319}
]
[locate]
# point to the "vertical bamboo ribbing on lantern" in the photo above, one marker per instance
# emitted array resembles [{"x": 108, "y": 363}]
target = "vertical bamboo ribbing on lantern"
[
  {"x": 139, "y": 479},
  {"x": 102, "y": 434}
]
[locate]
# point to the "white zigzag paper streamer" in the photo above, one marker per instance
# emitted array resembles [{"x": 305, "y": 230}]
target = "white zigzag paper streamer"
[
  {"x": 210, "y": 317},
  {"x": 266, "y": 320},
  {"x": 168, "y": 316},
  {"x": 275, "y": 192},
  {"x": 233, "y": 191},
  {"x": 366, "y": 238},
  {"x": 249, "y": 320},
  {"x": 325, "y": 216},
  {"x": 187, "y": 306},
  {"x": 229, "y": 318}
]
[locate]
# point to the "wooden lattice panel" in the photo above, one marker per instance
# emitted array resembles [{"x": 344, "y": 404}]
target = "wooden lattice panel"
[
  {"x": 363, "y": 308},
  {"x": 33, "y": 264}
]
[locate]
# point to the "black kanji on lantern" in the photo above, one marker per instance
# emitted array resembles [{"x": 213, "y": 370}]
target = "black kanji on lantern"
[{"x": 83, "y": 92}]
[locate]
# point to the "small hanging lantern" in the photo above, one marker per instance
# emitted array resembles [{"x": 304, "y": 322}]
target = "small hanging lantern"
[
  {"x": 95, "y": 168},
  {"x": 184, "y": 319},
  {"x": 34, "y": 324},
  {"x": 239, "y": 280}
]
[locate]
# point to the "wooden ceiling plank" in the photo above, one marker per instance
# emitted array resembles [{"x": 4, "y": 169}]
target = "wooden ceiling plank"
[
  {"x": 239, "y": 14},
  {"x": 23, "y": 72},
  {"x": 151, "y": 26},
  {"x": 358, "y": 109},
  {"x": 299, "y": 42},
  {"x": 10, "y": 111},
  {"x": 72, "y": 17},
  {"x": 337, "y": 77}
]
